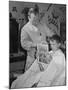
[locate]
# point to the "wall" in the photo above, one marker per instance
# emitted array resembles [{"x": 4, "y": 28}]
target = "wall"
[{"x": 59, "y": 10}]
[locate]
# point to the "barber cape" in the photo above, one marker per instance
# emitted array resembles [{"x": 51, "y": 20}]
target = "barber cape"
[
  {"x": 28, "y": 78},
  {"x": 53, "y": 74}
]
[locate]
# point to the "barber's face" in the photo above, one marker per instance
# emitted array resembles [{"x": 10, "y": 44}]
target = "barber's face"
[{"x": 34, "y": 18}]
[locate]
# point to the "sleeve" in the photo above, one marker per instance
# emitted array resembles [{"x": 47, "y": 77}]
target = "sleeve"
[
  {"x": 50, "y": 72},
  {"x": 47, "y": 76},
  {"x": 55, "y": 68},
  {"x": 25, "y": 43}
]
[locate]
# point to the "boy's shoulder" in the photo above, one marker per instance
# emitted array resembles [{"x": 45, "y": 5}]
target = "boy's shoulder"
[
  {"x": 59, "y": 57},
  {"x": 58, "y": 52}
]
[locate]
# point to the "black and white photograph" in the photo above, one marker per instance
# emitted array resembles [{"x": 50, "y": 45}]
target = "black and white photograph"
[{"x": 37, "y": 44}]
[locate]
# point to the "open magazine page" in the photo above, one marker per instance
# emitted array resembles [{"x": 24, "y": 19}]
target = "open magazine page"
[{"x": 43, "y": 55}]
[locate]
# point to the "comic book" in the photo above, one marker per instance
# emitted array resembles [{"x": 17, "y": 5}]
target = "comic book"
[{"x": 43, "y": 53}]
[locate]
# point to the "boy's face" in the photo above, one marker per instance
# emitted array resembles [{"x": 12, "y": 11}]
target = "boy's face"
[{"x": 54, "y": 45}]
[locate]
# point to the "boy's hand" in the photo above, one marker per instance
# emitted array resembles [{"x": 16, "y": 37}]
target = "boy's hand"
[
  {"x": 41, "y": 67},
  {"x": 48, "y": 58}
]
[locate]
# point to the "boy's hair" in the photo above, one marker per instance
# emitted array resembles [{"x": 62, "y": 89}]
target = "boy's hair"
[{"x": 56, "y": 38}]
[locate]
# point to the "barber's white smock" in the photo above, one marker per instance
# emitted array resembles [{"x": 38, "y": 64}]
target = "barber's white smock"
[{"x": 29, "y": 35}]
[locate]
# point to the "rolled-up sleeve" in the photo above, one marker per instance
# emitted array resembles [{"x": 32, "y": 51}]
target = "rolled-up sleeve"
[{"x": 25, "y": 43}]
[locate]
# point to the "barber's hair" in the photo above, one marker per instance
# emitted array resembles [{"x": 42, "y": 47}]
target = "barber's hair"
[
  {"x": 34, "y": 10},
  {"x": 56, "y": 38}
]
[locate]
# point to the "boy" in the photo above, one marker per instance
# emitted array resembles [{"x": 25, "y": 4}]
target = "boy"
[{"x": 55, "y": 73}]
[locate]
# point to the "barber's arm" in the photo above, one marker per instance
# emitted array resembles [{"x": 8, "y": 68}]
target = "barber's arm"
[{"x": 25, "y": 43}]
